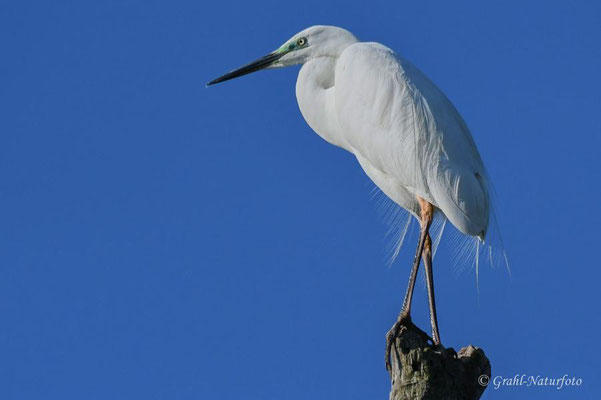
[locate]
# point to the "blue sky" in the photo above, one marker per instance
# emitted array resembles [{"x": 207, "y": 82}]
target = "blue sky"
[{"x": 163, "y": 240}]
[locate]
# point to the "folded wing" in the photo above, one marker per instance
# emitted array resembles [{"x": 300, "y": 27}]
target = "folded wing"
[{"x": 395, "y": 117}]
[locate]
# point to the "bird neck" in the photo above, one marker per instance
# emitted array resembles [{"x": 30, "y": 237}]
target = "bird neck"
[{"x": 315, "y": 96}]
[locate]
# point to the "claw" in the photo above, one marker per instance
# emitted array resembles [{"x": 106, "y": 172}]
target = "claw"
[{"x": 404, "y": 321}]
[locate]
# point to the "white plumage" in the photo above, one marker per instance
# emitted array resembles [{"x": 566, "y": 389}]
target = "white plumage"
[
  {"x": 405, "y": 133},
  {"x": 407, "y": 136}
]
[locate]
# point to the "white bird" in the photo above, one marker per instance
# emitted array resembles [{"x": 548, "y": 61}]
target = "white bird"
[{"x": 405, "y": 133}]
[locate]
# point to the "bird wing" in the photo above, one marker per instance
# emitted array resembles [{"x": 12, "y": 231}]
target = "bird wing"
[{"x": 391, "y": 114}]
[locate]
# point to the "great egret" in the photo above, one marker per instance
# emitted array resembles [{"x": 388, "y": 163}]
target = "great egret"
[{"x": 407, "y": 136}]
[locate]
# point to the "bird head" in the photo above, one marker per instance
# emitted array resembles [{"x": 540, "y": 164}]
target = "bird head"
[{"x": 316, "y": 41}]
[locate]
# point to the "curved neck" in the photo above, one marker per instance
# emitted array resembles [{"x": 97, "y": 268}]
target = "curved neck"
[{"x": 315, "y": 96}]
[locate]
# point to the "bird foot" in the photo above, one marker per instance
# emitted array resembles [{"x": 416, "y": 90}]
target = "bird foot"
[{"x": 402, "y": 323}]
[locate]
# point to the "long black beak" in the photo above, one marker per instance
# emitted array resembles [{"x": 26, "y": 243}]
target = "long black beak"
[{"x": 256, "y": 65}]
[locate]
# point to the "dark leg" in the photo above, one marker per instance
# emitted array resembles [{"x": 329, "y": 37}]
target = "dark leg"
[
  {"x": 406, "y": 309},
  {"x": 404, "y": 318},
  {"x": 427, "y": 256}
]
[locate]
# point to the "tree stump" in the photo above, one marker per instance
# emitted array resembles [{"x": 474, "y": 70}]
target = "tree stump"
[{"x": 421, "y": 371}]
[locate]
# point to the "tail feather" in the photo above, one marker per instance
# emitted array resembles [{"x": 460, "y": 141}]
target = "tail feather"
[{"x": 465, "y": 250}]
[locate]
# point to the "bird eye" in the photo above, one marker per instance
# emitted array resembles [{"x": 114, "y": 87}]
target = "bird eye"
[{"x": 301, "y": 41}]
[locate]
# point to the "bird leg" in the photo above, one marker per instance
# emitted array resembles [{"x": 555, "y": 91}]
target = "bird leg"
[
  {"x": 404, "y": 318},
  {"x": 427, "y": 256}
]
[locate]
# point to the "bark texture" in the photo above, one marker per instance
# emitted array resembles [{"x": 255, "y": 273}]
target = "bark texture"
[{"x": 420, "y": 371}]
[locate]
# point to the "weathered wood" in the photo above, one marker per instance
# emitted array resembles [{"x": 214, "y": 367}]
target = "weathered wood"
[{"x": 420, "y": 371}]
